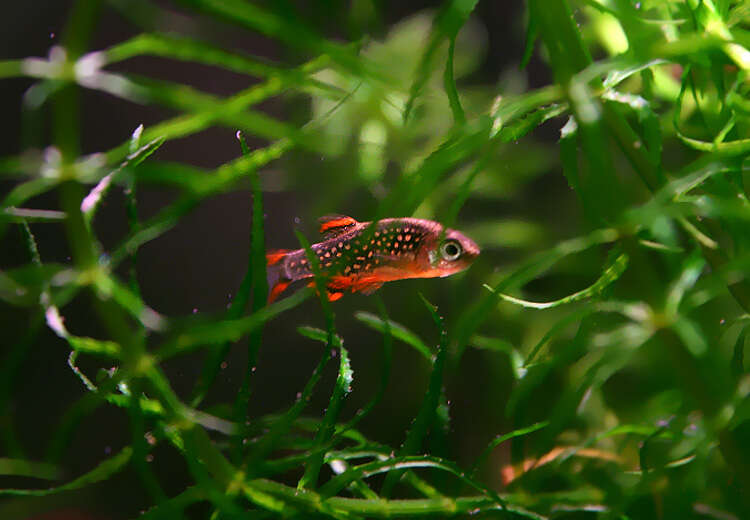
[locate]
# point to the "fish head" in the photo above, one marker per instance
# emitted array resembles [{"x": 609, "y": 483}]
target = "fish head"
[{"x": 450, "y": 252}]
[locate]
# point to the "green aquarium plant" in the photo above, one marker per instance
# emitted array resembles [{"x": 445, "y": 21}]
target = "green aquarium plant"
[{"x": 590, "y": 363}]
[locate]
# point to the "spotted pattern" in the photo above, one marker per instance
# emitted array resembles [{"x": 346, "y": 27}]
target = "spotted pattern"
[{"x": 363, "y": 249}]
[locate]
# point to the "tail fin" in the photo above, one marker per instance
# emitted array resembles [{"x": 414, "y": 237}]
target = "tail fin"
[{"x": 276, "y": 274}]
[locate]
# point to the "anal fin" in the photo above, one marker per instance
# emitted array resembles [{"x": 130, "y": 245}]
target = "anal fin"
[
  {"x": 277, "y": 289},
  {"x": 357, "y": 283},
  {"x": 370, "y": 288},
  {"x": 333, "y": 296}
]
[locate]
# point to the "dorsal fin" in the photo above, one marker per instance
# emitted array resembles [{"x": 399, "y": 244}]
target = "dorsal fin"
[
  {"x": 336, "y": 224},
  {"x": 276, "y": 255}
]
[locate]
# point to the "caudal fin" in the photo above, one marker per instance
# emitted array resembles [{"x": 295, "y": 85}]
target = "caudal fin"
[{"x": 276, "y": 274}]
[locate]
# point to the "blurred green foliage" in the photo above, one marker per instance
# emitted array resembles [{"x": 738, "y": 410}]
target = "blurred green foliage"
[{"x": 610, "y": 309}]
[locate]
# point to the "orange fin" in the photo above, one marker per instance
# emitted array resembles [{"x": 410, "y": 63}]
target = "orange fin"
[
  {"x": 274, "y": 256},
  {"x": 371, "y": 288},
  {"x": 333, "y": 296},
  {"x": 336, "y": 224},
  {"x": 277, "y": 289},
  {"x": 363, "y": 284}
]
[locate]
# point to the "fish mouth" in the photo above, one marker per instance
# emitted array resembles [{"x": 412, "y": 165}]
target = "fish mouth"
[{"x": 471, "y": 248}]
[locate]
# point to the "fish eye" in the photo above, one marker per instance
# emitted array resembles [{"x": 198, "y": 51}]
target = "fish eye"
[{"x": 450, "y": 250}]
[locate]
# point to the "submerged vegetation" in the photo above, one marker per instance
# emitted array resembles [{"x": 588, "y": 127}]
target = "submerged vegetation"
[{"x": 589, "y": 364}]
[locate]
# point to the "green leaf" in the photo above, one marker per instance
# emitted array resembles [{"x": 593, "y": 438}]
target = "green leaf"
[
  {"x": 103, "y": 348},
  {"x": 27, "y": 468},
  {"x": 386, "y": 369},
  {"x": 506, "y": 437},
  {"x": 397, "y": 330},
  {"x": 103, "y": 471},
  {"x": 109, "y": 287},
  {"x": 191, "y": 51},
  {"x": 449, "y": 20},
  {"x": 327, "y": 426},
  {"x": 137, "y": 155},
  {"x": 472, "y": 317},
  {"x": 554, "y": 330},
  {"x": 288, "y": 30},
  {"x": 319, "y": 335},
  {"x": 532, "y": 33},
  {"x": 17, "y": 215},
  {"x": 203, "y": 333},
  {"x": 399, "y": 464},
  {"x": 429, "y": 409},
  {"x": 738, "y": 357},
  {"x": 611, "y": 273},
  {"x": 459, "y": 117}
]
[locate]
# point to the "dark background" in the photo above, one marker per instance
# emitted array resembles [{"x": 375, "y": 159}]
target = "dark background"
[{"x": 199, "y": 264}]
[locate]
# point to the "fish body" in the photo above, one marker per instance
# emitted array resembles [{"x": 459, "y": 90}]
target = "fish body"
[{"x": 361, "y": 256}]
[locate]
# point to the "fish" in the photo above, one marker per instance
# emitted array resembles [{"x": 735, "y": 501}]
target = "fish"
[{"x": 359, "y": 257}]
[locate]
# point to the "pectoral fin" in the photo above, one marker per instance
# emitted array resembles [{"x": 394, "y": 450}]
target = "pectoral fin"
[{"x": 361, "y": 284}]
